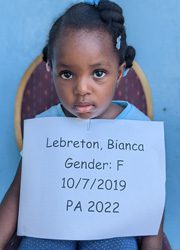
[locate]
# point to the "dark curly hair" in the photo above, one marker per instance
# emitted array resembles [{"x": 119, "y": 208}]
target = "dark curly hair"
[{"x": 105, "y": 16}]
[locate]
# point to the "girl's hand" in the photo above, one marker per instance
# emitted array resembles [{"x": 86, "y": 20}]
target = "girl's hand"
[
  {"x": 153, "y": 242},
  {"x": 9, "y": 210}
]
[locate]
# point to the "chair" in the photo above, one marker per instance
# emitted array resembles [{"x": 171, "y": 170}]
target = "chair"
[{"x": 36, "y": 93}]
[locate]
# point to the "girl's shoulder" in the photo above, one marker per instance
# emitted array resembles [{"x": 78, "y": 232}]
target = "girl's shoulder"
[
  {"x": 130, "y": 112},
  {"x": 53, "y": 111}
]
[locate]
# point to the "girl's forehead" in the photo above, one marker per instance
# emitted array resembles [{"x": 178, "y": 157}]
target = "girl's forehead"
[
  {"x": 81, "y": 42},
  {"x": 83, "y": 33}
]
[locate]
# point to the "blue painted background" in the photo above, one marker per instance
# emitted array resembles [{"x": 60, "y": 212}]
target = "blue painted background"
[{"x": 153, "y": 27}]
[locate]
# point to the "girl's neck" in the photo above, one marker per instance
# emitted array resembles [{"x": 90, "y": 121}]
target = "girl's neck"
[
  {"x": 66, "y": 112},
  {"x": 113, "y": 111}
]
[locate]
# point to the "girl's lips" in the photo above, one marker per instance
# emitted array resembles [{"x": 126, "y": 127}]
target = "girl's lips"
[{"x": 83, "y": 108}]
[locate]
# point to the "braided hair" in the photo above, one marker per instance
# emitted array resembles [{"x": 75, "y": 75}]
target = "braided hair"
[{"x": 105, "y": 16}]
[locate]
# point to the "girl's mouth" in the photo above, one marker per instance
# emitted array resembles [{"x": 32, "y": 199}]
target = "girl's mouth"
[{"x": 83, "y": 108}]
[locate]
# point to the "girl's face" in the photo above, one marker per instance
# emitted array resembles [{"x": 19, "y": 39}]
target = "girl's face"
[{"x": 86, "y": 72}]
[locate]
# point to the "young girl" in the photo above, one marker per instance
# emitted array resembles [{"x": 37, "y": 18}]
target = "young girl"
[{"x": 87, "y": 55}]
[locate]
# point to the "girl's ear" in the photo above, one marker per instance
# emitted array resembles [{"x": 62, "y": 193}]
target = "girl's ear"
[
  {"x": 120, "y": 72},
  {"x": 48, "y": 68}
]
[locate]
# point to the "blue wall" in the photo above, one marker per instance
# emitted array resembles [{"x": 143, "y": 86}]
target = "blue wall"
[{"x": 153, "y": 27}]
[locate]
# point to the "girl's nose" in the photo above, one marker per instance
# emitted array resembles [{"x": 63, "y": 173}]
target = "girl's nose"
[{"x": 82, "y": 87}]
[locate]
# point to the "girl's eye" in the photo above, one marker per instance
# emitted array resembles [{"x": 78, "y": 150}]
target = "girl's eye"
[
  {"x": 99, "y": 73},
  {"x": 65, "y": 75}
]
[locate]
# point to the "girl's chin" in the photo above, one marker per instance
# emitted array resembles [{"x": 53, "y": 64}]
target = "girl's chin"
[{"x": 85, "y": 116}]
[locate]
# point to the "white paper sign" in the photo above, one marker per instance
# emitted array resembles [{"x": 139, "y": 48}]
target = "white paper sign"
[{"x": 91, "y": 179}]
